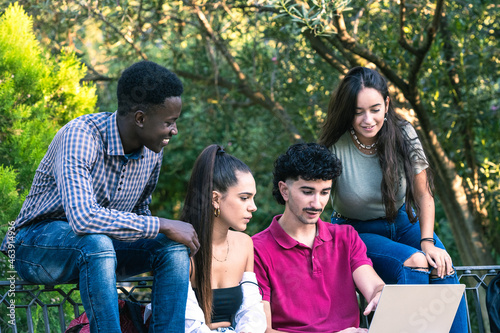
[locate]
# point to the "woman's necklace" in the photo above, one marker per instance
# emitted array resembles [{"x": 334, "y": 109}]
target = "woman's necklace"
[
  {"x": 227, "y": 253},
  {"x": 369, "y": 147}
]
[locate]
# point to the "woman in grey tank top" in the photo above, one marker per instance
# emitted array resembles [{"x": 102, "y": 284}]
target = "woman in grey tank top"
[{"x": 385, "y": 190}]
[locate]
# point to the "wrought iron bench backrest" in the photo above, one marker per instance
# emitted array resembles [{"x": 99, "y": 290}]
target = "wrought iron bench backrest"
[{"x": 44, "y": 308}]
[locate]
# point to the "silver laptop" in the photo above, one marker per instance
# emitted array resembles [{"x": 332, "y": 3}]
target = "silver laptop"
[{"x": 417, "y": 308}]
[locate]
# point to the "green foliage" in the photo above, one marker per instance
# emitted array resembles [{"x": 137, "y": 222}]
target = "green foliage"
[
  {"x": 24, "y": 68},
  {"x": 279, "y": 63},
  {"x": 458, "y": 82},
  {"x": 10, "y": 205},
  {"x": 41, "y": 90},
  {"x": 314, "y": 15},
  {"x": 38, "y": 94},
  {"x": 11, "y": 202},
  {"x": 465, "y": 99}
]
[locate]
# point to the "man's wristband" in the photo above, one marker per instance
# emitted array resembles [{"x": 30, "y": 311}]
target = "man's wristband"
[{"x": 428, "y": 240}]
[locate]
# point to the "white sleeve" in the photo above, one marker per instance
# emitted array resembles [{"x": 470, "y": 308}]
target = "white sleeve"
[
  {"x": 250, "y": 316},
  {"x": 195, "y": 319}
]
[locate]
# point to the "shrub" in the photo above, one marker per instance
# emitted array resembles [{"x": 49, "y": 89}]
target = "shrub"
[{"x": 38, "y": 94}]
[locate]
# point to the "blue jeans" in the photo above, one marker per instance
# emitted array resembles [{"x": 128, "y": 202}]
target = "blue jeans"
[
  {"x": 389, "y": 245},
  {"x": 51, "y": 253}
]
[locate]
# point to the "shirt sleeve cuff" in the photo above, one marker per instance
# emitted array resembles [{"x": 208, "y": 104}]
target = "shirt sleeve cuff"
[
  {"x": 359, "y": 263},
  {"x": 151, "y": 226},
  {"x": 249, "y": 277}
]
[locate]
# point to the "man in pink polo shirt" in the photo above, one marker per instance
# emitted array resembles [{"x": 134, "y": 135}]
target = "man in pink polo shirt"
[{"x": 308, "y": 269}]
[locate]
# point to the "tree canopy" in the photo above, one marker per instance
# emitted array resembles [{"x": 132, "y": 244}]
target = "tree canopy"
[{"x": 258, "y": 76}]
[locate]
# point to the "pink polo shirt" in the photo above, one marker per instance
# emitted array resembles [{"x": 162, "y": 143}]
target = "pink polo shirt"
[{"x": 310, "y": 290}]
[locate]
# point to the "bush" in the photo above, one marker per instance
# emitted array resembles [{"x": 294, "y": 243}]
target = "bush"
[{"x": 39, "y": 93}]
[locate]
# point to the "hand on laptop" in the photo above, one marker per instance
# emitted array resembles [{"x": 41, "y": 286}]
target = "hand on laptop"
[{"x": 373, "y": 304}]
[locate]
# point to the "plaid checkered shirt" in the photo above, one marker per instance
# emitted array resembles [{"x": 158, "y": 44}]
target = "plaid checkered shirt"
[{"x": 87, "y": 179}]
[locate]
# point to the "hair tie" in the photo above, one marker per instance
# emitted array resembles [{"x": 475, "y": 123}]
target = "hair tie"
[
  {"x": 430, "y": 239},
  {"x": 220, "y": 151}
]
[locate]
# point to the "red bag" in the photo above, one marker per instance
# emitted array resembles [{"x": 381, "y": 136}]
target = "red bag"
[{"x": 131, "y": 319}]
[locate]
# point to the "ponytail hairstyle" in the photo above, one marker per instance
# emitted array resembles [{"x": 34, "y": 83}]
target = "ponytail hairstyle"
[
  {"x": 214, "y": 170},
  {"x": 394, "y": 147}
]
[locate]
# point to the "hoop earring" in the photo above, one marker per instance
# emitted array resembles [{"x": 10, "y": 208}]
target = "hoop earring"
[{"x": 217, "y": 212}]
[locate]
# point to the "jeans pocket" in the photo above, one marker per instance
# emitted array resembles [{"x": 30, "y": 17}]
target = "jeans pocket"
[
  {"x": 30, "y": 234},
  {"x": 33, "y": 272}
]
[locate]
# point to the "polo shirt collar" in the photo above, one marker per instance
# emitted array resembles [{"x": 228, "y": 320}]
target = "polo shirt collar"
[
  {"x": 287, "y": 242},
  {"x": 113, "y": 140},
  {"x": 323, "y": 232}
]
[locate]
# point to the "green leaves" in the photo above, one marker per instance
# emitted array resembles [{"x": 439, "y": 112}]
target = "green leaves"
[
  {"x": 39, "y": 93},
  {"x": 270, "y": 41},
  {"x": 314, "y": 15}
]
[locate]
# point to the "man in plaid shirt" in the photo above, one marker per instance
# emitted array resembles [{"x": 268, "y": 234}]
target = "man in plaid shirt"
[{"x": 86, "y": 217}]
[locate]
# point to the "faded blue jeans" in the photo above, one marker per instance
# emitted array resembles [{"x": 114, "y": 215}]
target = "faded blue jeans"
[
  {"x": 389, "y": 245},
  {"x": 51, "y": 253}
]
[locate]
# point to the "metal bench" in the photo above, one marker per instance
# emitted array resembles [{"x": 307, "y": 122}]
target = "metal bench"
[
  {"x": 41, "y": 308},
  {"x": 476, "y": 279}
]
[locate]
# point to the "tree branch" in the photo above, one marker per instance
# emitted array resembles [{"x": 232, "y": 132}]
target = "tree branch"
[
  {"x": 465, "y": 129},
  {"x": 353, "y": 59},
  {"x": 422, "y": 51},
  {"x": 95, "y": 75},
  {"x": 259, "y": 8},
  {"x": 358, "y": 15},
  {"x": 222, "y": 82},
  {"x": 207, "y": 29},
  {"x": 350, "y": 43},
  {"x": 319, "y": 46},
  {"x": 402, "y": 21},
  {"x": 139, "y": 15},
  {"x": 115, "y": 29},
  {"x": 256, "y": 95}
]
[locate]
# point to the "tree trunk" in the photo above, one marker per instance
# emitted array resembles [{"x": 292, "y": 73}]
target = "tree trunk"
[{"x": 450, "y": 188}]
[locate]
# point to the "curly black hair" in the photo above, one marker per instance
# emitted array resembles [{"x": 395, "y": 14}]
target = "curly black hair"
[
  {"x": 309, "y": 161},
  {"x": 146, "y": 83}
]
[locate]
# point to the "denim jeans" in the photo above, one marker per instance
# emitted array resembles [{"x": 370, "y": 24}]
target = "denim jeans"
[
  {"x": 389, "y": 245},
  {"x": 51, "y": 253}
]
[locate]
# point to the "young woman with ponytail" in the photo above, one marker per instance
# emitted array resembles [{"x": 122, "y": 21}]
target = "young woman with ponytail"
[{"x": 219, "y": 204}]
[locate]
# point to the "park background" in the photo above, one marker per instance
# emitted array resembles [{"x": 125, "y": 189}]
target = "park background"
[{"x": 258, "y": 76}]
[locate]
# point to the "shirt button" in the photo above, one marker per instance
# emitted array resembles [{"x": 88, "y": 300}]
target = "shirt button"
[
  {"x": 119, "y": 189},
  {"x": 122, "y": 176},
  {"x": 121, "y": 183}
]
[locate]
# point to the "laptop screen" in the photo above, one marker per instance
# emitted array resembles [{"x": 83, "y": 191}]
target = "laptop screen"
[{"x": 417, "y": 308}]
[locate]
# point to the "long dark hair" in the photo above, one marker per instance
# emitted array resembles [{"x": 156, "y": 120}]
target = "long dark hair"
[
  {"x": 214, "y": 170},
  {"x": 395, "y": 148}
]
